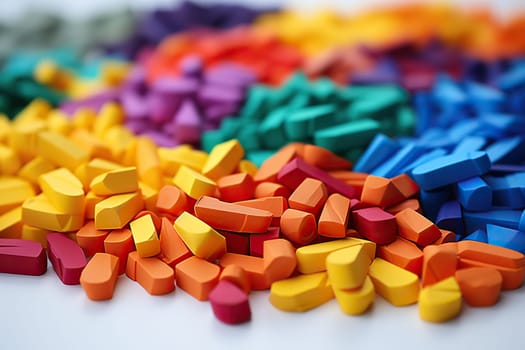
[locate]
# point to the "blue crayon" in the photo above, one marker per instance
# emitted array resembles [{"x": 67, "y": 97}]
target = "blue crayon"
[
  {"x": 477, "y": 235},
  {"x": 436, "y": 138},
  {"x": 393, "y": 166},
  {"x": 474, "y": 194},
  {"x": 431, "y": 201},
  {"x": 463, "y": 128},
  {"x": 503, "y": 124},
  {"x": 380, "y": 149},
  {"x": 426, "y": 157},
  {"x": 451, "y": 99},
  {"x": 506, "y": 194},
  {"x": 506, "y": 168},
  {"x": 513, "y": 79},
  {"x": 450, "y": 169},
  {"x": 470, "y": 144},
  {"x": 450, "y": 218},
  {"x": 475, "y": 220},
  {"x": 515, "y": 101},
  {"x": 425, "y": 114},
  {"x": 521, "y": 222},
  {"x": 510, "y": 150},
  {"x": 485, "y": 98},
  {"x": 506, "y": 237}
]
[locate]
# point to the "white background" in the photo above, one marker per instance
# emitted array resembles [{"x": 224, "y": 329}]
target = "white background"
[
  {"x": 42, "y": 313},
  {"x": 77, "y": 9}
]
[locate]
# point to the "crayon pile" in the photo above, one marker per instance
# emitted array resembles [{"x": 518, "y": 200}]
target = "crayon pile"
[{"x": 224, "y": 149}]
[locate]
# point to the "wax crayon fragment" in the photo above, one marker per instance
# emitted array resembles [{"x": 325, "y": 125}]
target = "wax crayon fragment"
[
  {"x": 449, "y": 169},
  {"x": 279, "y": 259},
  {"x": 90, "y": 239},
  {"x": 485, "y": 98},
  {"x": 237, "y": 243},
  {"x": 24, "y": 257},
  {"x": 479, "y": 286},
  {"x": 145, "y": 236},
  {"x": 450, "y": 218},
  {"x": 397, "y": 162},
  {"x": 402, "y": 253},
  {"x": 148, "y": 163},
  {"x": 66, "y": 256},
  {"x": 474, "y": 194},
  {"x": 197, "y": 276},
  {"x": 301, "y": 293},
  {"x": 312, "y": 258},
  {"x": 155, "y": 276},
  {"x": 171, "y": 200},
  {"x": 119, "y": 243},
  {"x": 270, "y": 168},
  {"x": 236, "y": 187},
  {"x": 380, "y": 191},
  {"x": 323, "y": 158},
  {"x": 252, "y": 265},
  {"x": 9, "y": 161},
  {"x": 505, "y": 193},
  {"x": 232, "y": 217},
  {"x": 116, "y": 181},
  {"x": 236, "y": 275},
  {"x": 293, "y": 173},
  {"x": 376, "y": 224},
  {"x": 223, "y": 159},
  {"x": 99, "y": 277},
  {"x": 172, "y": 247},
  {"x": 172, "y": 158},
  {"x": 11, "y": 223},
  {"x": 439, "y": 263},
  {"x": 271, "y": 189},
  {"x": 441, "y": 301},
  {"x": 348, "y": 267},
  {"x": 447, "y": 236},
  {"x": 333, "y": 220},
  {"x": 360, "y": 132},
  {"x": 230, "y": 304},
  {"x": 118, "y": 210},
  {"x": 59, "y": 150},
  {"x": 505, "y": 237},
  {"x": 93, "y": 145},
  {"x": 201, "y": 239},
  {"x": 302, "y": 124},
  {"x": 470, "y": 144},
  {"x": 396, "y": 285},
  {"x": 18, "y": 190},
  {"x": 416, "y": 228},
  {"x": 193, "y": 183},
  {"x": 299, "y": 226},
  {"x": 274, "y": 204},
  {"x": 187, "y": 123},
  {"x": 36, "y": 234},
  {"x": 501, "y": 217},
  {"x": 40, "y": 212},
  {"x": 309, "y": 196},
  {"x": 408, "y": 203},
  {"x": 34, "y": 168},
  {"x": 477, "y": 235},
  {"x": 257, "y": 240},
  {"x": 63, "y": 190},
  {"x": 358, "y": 300}
]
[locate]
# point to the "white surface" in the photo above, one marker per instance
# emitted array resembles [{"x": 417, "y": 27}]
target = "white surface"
[
  {"x": 42, "y": 313},
  {"x": 78, "y": 9}
]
